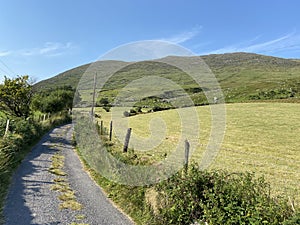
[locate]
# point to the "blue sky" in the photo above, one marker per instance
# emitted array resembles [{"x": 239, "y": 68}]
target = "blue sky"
[{"x": 44, "y": 38}]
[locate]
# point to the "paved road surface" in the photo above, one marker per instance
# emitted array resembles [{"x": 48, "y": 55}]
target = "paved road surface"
[{"x": 31, "y": 201}]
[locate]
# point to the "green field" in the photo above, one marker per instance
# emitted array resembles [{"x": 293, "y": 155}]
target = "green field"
[{"x": 259, "y": 137}]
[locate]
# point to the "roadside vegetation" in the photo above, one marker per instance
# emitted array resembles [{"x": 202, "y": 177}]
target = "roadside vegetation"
[{"x": 26, "y": 127}]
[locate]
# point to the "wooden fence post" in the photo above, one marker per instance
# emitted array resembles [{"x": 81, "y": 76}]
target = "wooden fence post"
[
  {"x": 101, "y": 127},
  {"x": 110, "y": 130},
  {"x": 186, "y": 154},
  {"x": 7, "y": 127},
  {"x": 98, "y": 127},
  {"x": 127, "y": 138}
]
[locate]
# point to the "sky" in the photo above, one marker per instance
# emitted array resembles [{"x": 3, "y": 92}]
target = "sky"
[{"x": 44, "y": 38}]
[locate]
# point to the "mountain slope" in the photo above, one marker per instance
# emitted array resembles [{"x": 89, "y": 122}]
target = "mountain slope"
[
  {"x": 242, "y": 76},
  {"x": 69, "y": 77}
]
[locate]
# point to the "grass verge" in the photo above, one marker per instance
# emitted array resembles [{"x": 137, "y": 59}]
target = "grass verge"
[{"x": 128, "y": 199}]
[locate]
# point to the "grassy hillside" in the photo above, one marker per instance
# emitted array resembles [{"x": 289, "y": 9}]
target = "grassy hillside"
[
  {"x": 242, "y": 76},
  {"x": 70, "y": 77}
]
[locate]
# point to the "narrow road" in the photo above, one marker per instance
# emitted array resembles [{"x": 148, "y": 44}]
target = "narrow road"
[{"x": 31, "y": 201}]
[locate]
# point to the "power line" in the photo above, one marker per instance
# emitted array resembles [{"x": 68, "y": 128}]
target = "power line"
[
  {"x": 5, "y": 72},
  {"x": 8, "y": 68}
]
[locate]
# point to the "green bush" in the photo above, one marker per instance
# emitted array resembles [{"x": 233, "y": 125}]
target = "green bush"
[
  {"x": 293, "y": 220},
  {"x": 28, "y": 130},
  {"x": 4, "y": 161},
  {"x": 2, "y": 126},
  {"x": 126, "y": 114},
  {"x": 11, "y": 144},
  {"x": 53, "y": 101},
  {"x": 218, "y": 198},
  {"x": 281, "y": 93},
  {"x": 104, "y": 102},
  {"x": 157, "y": 108}
]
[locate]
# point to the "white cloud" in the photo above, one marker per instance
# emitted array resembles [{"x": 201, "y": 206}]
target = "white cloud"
[
  {"x": 145, "y": 50},
  {"x": 5, "y": 53},
  {"x": 184, "y": 36},
  {"x": 49, "y": 49},
  {"x": 288, "y": 42}
]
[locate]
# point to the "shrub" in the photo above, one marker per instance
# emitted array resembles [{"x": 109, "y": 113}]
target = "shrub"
[
  {"x": 55, "y": 100},
  {"x": 157, "y": 108},
  {"x": 218, "y": 198},
  {"x": 294, "y": 220},
  {"x": 104, "y": 102},
  {"x": 2, "y": 126},
  {"x": 126, "y": 113},
  {"x": 28, "y": 130},
  {"x": 139, "y": 109},
  {"x": 132, "y": 112}
]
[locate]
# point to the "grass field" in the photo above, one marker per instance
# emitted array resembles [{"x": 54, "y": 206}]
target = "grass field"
[
  {"x": 259, "y": 137},
  {"x": 264, "y": 138}
]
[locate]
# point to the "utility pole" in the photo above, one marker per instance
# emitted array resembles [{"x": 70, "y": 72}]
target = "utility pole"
[{"x": 94, "y": 96}]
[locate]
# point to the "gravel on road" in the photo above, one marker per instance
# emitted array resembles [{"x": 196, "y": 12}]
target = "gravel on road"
[{"x": 31, "y": 201}]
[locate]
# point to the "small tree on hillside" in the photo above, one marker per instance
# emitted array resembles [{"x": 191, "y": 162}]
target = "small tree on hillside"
[{"x": 15, "y": 96}]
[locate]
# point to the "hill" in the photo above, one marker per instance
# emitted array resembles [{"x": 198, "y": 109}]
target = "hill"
[
  {"x": 242, "y": 76},
  {"x": 69, "y": 77}
]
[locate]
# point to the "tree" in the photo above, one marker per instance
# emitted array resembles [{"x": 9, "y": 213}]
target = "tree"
[
  {"x": 52, "y": 101},
  {"x": 15, "y": 96},
  {"x": 104, "y": 101}
]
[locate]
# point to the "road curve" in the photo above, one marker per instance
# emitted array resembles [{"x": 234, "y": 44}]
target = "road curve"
[{"x": 31, "y": 201}]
